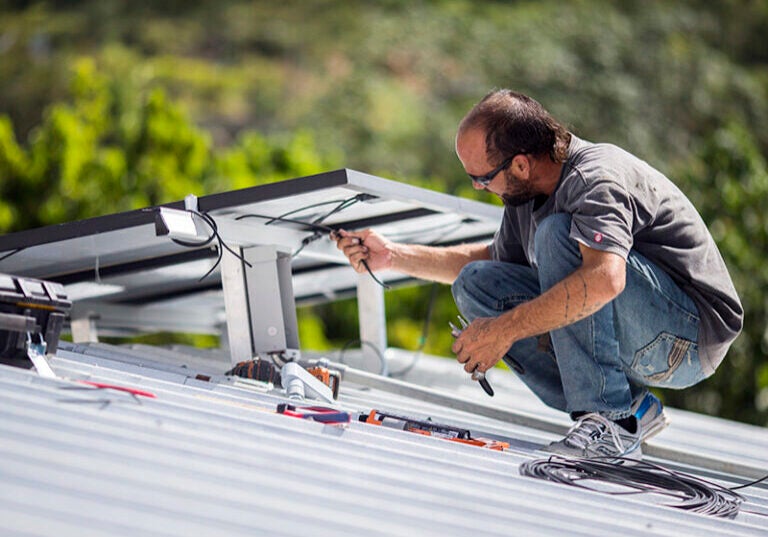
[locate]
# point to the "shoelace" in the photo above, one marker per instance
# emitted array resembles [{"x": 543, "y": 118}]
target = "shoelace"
[{"x": 589, "y": 429}]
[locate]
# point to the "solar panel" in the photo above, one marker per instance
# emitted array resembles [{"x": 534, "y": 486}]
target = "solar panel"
[{"x": 148, "y": 269}]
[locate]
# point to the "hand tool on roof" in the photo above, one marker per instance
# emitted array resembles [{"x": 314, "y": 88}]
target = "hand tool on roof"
[
  {"x": 320, "y": 414},
  {"x": 476, "y": 375},
  {"x": 428, "y": 428}
]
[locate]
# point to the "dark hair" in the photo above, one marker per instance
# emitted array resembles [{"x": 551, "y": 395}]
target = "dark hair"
[{"x": 514, "y": 123}]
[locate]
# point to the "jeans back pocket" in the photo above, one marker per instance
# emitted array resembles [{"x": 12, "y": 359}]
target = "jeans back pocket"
[{"x": 668, "y": 361}]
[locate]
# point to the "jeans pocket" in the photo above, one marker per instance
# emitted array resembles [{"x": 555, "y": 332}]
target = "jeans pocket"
[{"x": 669, "y": 361}]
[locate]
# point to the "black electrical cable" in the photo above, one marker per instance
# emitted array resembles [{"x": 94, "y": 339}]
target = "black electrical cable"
[
  {"x": 214, "y": 235},
  {"x": 751, "y": 483},
  {"x": 317, "y": 226},
  {"x": 343, "y": 204},
  {"x": 340, "y": 206},
  {"x": 310, "y": 225},
  {"x": 424, "y": 333},
  {"x": 307, "y": 207},
  {"x": 690, "y": 493},
  {"x": 370, "y": 272}
]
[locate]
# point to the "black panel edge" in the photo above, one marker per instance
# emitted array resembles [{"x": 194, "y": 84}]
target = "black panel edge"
[
  {"x": 276, "y": 190},
  {"x": 20, "y": 240}
]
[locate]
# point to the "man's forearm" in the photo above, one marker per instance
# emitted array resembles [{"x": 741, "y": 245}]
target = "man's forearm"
[{"x": 436, "y": 263}]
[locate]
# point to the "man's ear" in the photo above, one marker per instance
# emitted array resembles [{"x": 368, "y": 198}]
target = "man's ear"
[{"x": 522, "y": 166}]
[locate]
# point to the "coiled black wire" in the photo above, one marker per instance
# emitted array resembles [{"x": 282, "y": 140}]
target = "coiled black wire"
[{"x": 688, "y": 492}]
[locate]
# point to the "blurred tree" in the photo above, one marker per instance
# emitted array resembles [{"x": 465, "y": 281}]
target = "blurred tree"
[
  {"x": 728, "y": 181},
  {"x": 100, "y": 152},
  {"x": 101, "y": 149}
]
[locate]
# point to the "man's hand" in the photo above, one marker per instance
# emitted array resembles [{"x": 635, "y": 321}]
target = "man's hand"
[
  {"x": 366, "y": 246},
  {"x": 480, "y": 346}
]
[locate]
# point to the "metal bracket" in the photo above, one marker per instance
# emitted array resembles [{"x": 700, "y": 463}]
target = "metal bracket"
[
  {"x": 84, "y": 329},
  {"x": 36, "y": 353},
  {"x": 257, "y": 281},
  {"x": 373, "y": 321},
  {"x": 260, "y": 305},
  {"x": 299, "y": 383}
]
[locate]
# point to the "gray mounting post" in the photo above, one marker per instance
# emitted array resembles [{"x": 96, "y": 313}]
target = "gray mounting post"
[
  {"x": 372, "y": 317},
  {"x": 84, "y": 329},
  {"x": 260, "y": 305}
]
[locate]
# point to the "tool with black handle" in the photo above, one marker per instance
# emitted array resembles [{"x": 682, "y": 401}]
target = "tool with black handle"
[{"x": 476, "y": 375}]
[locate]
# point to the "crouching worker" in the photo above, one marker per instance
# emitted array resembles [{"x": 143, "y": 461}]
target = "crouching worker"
[{"x": 601, "y": 281}]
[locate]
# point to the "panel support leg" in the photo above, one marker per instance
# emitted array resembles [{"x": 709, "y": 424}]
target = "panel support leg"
[
  {"x": 260, "y": 305},
  {"x": 372, "y": 318},
  {"x": 84, "y": 329}
]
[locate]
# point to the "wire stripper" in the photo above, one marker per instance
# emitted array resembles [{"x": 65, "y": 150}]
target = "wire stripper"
[{"x": 476, "y": 375}]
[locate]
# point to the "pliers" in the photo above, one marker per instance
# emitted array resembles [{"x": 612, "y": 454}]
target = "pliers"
[{"x": 476, "y": 375}]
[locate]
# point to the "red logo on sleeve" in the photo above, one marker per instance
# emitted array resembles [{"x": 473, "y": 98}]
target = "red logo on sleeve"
[{"x": 598, "y": 237}]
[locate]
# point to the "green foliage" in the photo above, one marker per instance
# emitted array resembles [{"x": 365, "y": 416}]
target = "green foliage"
[
  {"x": 728, "y": 182},
  {"x": 105, "y": 148}
]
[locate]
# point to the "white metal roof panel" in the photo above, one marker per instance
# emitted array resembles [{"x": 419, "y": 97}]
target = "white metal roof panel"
[{"x": 213, "y": 458}]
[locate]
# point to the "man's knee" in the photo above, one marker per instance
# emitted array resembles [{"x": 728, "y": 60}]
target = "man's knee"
[
  {"x": 553, "y": 244},
  {"x": 466, "y": 286}
]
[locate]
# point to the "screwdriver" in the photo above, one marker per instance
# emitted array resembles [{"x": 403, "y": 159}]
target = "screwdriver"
[{"x": 476, "y": 375}]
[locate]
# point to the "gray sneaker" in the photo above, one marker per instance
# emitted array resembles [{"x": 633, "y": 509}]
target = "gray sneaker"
[
  {"x": 594, "y": 435},
  {"x": 651, "y": 418}
]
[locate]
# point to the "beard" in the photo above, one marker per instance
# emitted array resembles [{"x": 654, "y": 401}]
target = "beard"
[{"x": 517, "y": 192}]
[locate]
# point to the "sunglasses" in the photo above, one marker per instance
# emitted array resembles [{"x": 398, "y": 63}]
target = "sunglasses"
[{"x": 484, "y": 180}]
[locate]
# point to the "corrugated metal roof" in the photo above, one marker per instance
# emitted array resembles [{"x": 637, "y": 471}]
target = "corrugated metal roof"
[{"x": 213, "y": 457}]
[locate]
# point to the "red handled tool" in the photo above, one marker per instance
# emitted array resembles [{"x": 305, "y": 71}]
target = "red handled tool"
[
  {"x": 427, "y": 428},
  {"x": 320, "y": 414}
]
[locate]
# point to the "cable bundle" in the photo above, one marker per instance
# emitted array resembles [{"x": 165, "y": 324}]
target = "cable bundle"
[
  {"x": 690, "y": 493},
  {"x": 315, "y": 225},
  {"x": 214, "y": 235}
]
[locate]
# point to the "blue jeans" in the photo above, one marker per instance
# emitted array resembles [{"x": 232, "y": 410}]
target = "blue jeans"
[{"x": 647, "y": 336}]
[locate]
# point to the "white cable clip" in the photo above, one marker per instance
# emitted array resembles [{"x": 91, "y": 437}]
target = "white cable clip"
[
  {"x": 299, "y": 383},
  {"x": 36, "y": 353}
]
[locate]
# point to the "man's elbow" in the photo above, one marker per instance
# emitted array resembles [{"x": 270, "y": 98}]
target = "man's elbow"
[{"x": 615, "y": 281}]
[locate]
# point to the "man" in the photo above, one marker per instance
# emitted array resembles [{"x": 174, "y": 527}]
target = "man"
[{"x": 601, "y": 281}]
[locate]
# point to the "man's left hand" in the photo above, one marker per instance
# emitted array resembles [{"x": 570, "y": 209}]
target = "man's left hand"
[{"x": 479, "y": 346}]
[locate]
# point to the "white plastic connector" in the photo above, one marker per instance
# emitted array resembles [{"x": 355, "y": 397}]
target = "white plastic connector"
[
  {"x": 190, "y": 203},
  {"x": 299, "y": 383}
]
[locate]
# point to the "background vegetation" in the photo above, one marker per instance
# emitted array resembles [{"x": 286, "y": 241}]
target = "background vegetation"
[{"x": 109, "y": 105}]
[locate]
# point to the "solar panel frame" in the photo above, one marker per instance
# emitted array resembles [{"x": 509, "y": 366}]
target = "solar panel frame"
[{"x": 142, "y": 270}]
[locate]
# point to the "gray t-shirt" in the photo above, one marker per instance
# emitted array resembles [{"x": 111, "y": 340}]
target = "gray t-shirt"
[{"x": 618, "y": 202}]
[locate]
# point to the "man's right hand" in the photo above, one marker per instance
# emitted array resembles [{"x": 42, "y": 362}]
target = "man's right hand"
[{"x": 364, "y": 245}]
